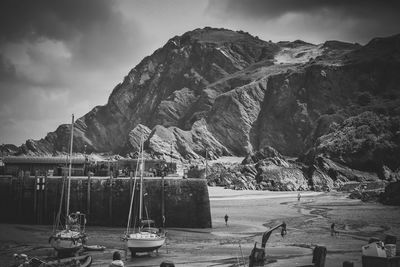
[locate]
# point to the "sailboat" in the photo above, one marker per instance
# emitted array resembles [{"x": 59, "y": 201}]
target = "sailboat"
[
  {"x": 141, "y": 239},
  {"x": 71, "y": 237}
]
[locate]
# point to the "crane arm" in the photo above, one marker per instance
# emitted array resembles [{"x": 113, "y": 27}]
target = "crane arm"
[{"x": 268, "y": 233}]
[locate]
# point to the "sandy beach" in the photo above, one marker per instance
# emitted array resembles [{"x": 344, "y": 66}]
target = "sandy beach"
[{"x": 250, "y": 214}]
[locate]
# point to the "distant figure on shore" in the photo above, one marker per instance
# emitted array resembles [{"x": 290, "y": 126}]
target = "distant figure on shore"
[
  {"x": 226, "y": 219},
  {"x": 298, "y": 196},
  {"x": 283, "y": 231},
  {"x": 117, "y": 262},
  {"x": 333, "y": 231}
]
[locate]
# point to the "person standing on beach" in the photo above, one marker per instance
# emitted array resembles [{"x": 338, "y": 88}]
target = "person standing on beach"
[
  {"x": 117, "y": 262},
  {"x": 226, "y": 219},
  {"x": 298, "y": 197},
  {"x": 332, "y": 229},
  {"x": 283, "y": 230}
]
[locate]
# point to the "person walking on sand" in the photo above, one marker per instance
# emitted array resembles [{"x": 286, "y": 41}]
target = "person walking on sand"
[
  {"x": 298, "y": 196},
  {"x": 226, "y": 219},
  {"x": 333, "y": 231},
  {"x": 117, "y": 262}
]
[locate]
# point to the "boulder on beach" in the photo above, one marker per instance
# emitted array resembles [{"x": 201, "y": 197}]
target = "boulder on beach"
[{"x": 391, "y": 196}]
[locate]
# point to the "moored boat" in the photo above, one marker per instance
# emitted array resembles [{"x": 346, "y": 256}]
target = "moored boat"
[
  {"x": 71, "y": 237},
  {"x": 144, "y": 242},
  {"x": 24, "y": 260},
  {"x": 143, "y": 239}
]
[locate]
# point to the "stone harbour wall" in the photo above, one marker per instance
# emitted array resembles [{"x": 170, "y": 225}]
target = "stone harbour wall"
[{"x": 30, "y": 200}]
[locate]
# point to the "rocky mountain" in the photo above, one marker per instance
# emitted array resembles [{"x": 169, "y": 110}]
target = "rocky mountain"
[
  {"x": 231, "y": 93},
  {"x": 176, "y": 86},
  {"x": 8, "y": 149}
]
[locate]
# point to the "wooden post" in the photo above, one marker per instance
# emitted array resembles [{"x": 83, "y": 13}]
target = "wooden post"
[
  {"x": 88, "y": 196},
  {"x": 20, "y": 194},
  {"x": 39, "y": 200},
  {"x": 162, "y": 201},
  {"x": 110, "y": 213},
  {"x": 35, "y": 197},
  {"x": 319, "y": 256},
  {"x": 10, "y": 214},
  {"x": 45, "y": 199}
]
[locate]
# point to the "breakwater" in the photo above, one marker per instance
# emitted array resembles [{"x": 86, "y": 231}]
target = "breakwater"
[{"x": 36, "y": 200}]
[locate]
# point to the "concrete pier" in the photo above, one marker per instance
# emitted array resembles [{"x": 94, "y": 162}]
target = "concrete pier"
[{"x": 35, "y": 200}]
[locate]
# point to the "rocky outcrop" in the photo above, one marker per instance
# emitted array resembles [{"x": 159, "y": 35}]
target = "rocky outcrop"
[
  {"x": 8, "y": 149},
  {"x": 391, "y": 196},
  {"x": 53, "y": 143},
  {"x": 366, "y": 196},
  {"x": 266, "y": 152},
  {"x": 273, "y": 172},
  {"x": 230, "y": 177},
  {"x": 230, "y": 93},
  {"x": 319, "y": 180},
  {"x": 276, "y": 176},
  {"x": 389, "y": 175},
  {"x": 175, "y": 86},
  {"x": 163, "y": 142},
  {"x": 233, "y": 115},
  {"x": 324, "y": 174},
  {"x": 366, "y": 141},
  {"x": 339, "y": 172},
  {"x": 138, "y": 135},
  {"x": 249, "y": 102}
]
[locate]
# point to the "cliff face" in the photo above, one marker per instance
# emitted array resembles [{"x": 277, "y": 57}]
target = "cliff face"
[
  {"x": 231, "y": 94},
  {"x": 301, "y": 105},
  {"x": 175, "y": 86}
]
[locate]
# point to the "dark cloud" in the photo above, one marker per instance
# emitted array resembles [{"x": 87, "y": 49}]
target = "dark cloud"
[
  {"x": 54, "y": 19},
  {"x": 351, "y": 20},
  {"x": 93, "y": 30},
  {"x": 273, "y": 9},
  {"x": 93, "y": 34},
  {"x": 59, "y": 57}
]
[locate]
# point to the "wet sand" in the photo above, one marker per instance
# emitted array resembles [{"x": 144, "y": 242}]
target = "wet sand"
[{"x": 250, "y": 214}]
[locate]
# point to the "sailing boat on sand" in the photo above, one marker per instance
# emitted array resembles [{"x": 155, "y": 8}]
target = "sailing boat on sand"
[
  {"x": 142, "y": 239},
  {"x": 71, "y": 237}
]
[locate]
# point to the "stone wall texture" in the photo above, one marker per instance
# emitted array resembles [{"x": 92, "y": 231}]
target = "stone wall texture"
[{"x": 186, "y": 201}]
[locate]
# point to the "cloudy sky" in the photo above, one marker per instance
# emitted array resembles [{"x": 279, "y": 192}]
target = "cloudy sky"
[{"x": 63, "y": 57}]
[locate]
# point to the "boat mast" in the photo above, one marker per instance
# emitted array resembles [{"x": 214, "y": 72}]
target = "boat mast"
[
  {"x": 141, "y": 182},
  {"x": 70, "y": 166},
  {"x": 57, "y": 223},
  {"x": 132, "y": 197}
]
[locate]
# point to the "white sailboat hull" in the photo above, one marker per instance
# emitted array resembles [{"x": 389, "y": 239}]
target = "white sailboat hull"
[
  {"x": 144, "y": 242},
  {"x": 67, "y": 241}
]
